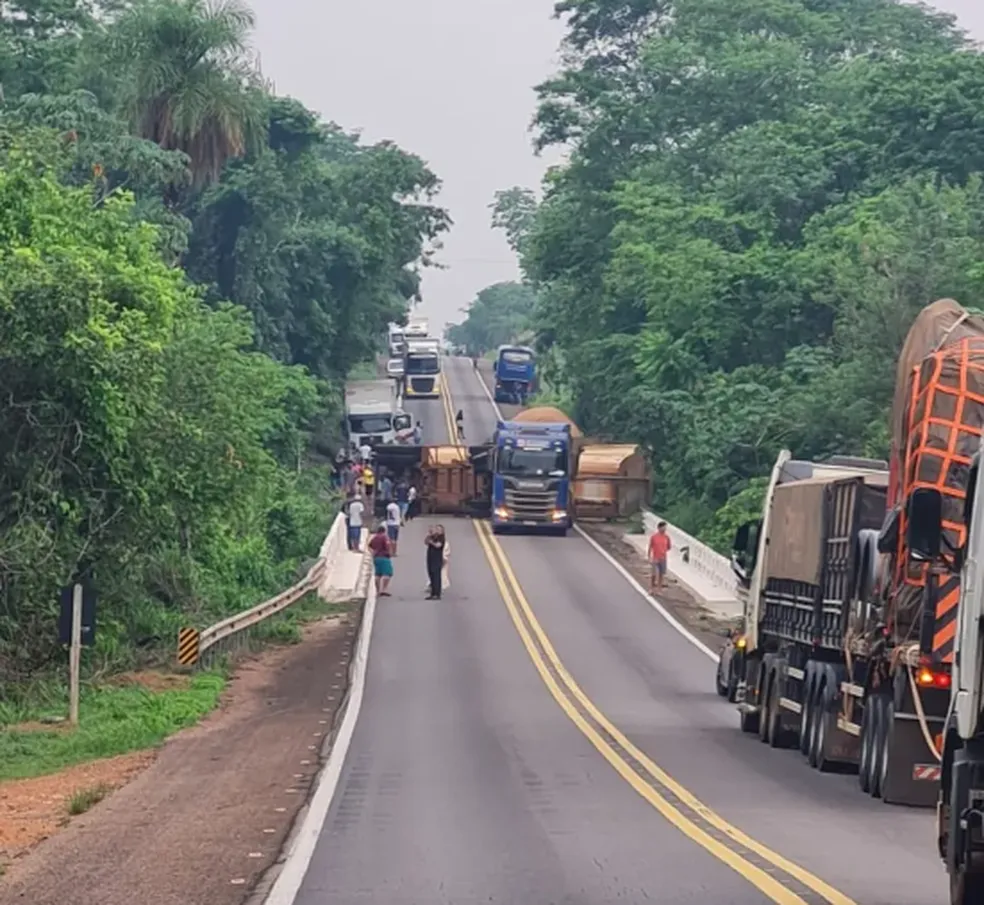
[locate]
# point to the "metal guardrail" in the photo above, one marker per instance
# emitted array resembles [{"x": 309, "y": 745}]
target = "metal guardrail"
[{"x": 234, "y": 632}]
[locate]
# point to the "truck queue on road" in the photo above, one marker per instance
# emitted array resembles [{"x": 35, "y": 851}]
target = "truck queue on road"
[{"x": 861, "y": 642}]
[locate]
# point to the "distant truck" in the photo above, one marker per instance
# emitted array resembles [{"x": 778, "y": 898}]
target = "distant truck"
[
  {"x": 397, "y": 341},
  {"x": 422, "y": 369},
  {"x": 371, "y": 414},
  {"x": 848, "y": 638},
  {"x": 418, "y": 328},
  {"x": 515, "y": 374}
]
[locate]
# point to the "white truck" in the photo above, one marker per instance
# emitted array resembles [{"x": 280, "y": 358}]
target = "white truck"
[
  {"x": 419, "y": 328},
  {"x": 371, "y": 414},
  {"x": 960, "y": 811},
  {"x": 422, "y": 369}
]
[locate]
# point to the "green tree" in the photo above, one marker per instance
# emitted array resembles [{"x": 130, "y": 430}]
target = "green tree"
[{"x": 187, "y": 81}]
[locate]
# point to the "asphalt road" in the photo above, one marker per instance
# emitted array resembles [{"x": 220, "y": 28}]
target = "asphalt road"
[
  {"x": 658, "y": 689},
  {"x": 477, "y": 774}
]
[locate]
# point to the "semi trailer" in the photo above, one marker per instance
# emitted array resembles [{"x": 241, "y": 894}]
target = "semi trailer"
[{"x": 847, "y": 641}]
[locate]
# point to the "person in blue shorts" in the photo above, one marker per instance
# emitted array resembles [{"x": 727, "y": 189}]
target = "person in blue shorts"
[{"x": 382, "y": 560}]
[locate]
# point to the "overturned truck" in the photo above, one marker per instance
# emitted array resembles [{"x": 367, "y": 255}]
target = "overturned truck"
[{"x": 533, "y": 475}]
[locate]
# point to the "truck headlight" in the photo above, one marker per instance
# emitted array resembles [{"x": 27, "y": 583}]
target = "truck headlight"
[
  {"x": 501, "y": 512},
  {"x": 558, "y": 515}
]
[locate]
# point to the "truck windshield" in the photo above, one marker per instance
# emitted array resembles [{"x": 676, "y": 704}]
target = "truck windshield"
[
  {"x": 369, "y": 424},
  {"x": 422, "y": 364},
  {"x": 532, "y": 462},
  {"x": 515, "y": 357}
]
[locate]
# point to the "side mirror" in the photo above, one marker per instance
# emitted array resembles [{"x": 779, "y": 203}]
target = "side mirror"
[
  {"x": 924, "y": 524},
  {"x": 742, "y": 536}
]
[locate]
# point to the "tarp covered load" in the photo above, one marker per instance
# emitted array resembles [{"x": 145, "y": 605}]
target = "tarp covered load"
[
  {"x": 803, "y": 522},
  {"x": 938, "y": 411},
  {"x": 546, "y": 414},
  {"x": 937, "y": 418}
]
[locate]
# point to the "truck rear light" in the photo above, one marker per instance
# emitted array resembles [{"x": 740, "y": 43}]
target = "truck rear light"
[{"x": 929, "y": 679}]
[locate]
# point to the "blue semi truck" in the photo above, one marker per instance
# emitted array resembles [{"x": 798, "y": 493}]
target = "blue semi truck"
[
  {"x": 531, "y": 469},
  {"x": 515, "y": 374}
]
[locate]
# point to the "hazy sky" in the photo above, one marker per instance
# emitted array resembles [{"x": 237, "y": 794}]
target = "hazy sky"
[{"x": 450, "y": 80}]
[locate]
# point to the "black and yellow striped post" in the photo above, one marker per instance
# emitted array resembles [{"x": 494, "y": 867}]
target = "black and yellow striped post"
[{"x": 188, "y": 644}]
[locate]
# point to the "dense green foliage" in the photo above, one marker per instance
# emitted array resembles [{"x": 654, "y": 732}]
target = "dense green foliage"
[
  {"x": 188, "y": 266},
  {"x": 759, "y": 197},
  {"x": 500, "y": 313}
]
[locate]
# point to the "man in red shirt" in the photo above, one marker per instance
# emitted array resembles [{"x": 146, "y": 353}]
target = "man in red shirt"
[
  {"x": 659, "y": 546},
  {"x": 382, "y": 560}
]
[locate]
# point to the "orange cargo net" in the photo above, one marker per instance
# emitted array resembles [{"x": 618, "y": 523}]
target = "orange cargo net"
[{"x": 945, "y": 421}]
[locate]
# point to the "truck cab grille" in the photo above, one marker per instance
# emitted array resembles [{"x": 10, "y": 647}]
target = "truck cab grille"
[{"x": 531, "y": 505}]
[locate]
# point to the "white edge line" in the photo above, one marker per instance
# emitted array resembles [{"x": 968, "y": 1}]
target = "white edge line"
[
  {"x": 288, "y": 882},
  {"x": 652, "y": 601},
  {"x": 638, "y": 588},
  {"x": 488, "y": 392}
]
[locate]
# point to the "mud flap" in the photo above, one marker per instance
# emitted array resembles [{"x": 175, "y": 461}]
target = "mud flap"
[{"x": 913, "y": 776}]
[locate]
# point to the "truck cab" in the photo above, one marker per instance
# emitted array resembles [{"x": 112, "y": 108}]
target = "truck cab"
[
  {"x": 515, "y": 374},
  {"x": 422, "y": 369},
  {"x": 531, "y": 483}
]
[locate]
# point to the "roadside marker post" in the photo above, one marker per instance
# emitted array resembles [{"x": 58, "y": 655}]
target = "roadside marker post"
[
  {"x": 77, "y": 629},
  {"x": 189, "y": 640},
  {"x": 75, "y": 656}
]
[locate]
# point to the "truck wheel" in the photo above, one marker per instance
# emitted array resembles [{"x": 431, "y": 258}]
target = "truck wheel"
[
  {"x": 806, "y": 722},
  {"x": 765, "y": 709},
  {"x": 732, "y": 683},
  {"x": 967, "y": 884},
  {"x": 878, "y": 752},
  {"x": 777, "y": 733},
  {"x": 821, "y": 731},
  {"x": 884, "y": 749},
  {"x": 866, "y": 759},
  {"x": 749, "y": 722},
  {"x": 719, "y": 683}
]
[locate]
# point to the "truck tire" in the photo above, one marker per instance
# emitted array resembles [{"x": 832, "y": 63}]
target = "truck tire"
[
  {"x": 766, "y": 680},
  {"x": 967, "y": 884},
  {"x": 866, "y": 760},
  {"x": 878, "y": 745},
  {"x": 821, "y": 730},
  {"x": 778, "y": 736},
  {"x": 720, "y": 684},
  {"x": 806, "y": 718}
]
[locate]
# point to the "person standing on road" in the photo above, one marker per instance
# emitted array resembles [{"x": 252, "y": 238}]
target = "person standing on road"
[
  {"x": 659, "y": 547},
  {"x": 418, "y": 433},
  {"x": 382, "y": 561},
  {"x": 402, "y": 494},
  {"x": 356, "y": 509},
  {"x": 393, "y": 524},
  {"x": 459, "y": 423},
  {"x": 386, "y": 489},
  {"x": 412, "y": 505},
  {"x": 365, "y": 453},
  {"x": 436, "y": 542}
]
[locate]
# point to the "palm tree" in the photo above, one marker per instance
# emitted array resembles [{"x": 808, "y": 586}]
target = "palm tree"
[{"x": 189, "y": 81}]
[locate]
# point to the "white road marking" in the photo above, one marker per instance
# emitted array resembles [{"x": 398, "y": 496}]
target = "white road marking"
[{"x": 298, "y": 858}]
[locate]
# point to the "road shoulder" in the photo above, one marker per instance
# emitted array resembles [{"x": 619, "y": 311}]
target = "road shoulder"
[
  {"x": 211, "y": 814},
  {"x": 701, "y": 622}
]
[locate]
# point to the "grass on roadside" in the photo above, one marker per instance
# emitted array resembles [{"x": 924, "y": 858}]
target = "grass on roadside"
[
  {"x": 112, "y": 720},
  {"x": 118, "y": 719},
  {"x": 83, "y": 799}
]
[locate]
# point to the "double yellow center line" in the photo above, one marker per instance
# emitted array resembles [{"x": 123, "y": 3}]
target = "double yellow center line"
[{"x": 752, "y": 860}]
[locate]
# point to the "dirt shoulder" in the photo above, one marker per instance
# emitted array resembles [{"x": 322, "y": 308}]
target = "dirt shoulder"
[
  {"x": 706, "y": 626},
  {"x": 210, "y": 814}
]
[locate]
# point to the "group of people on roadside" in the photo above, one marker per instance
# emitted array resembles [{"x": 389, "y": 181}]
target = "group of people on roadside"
[{"x": 383, "y": 545}]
